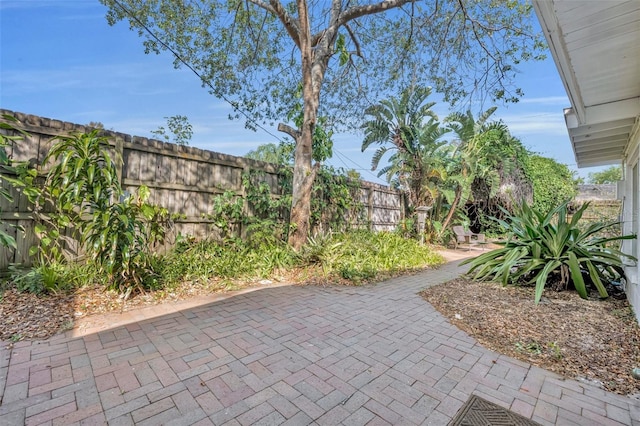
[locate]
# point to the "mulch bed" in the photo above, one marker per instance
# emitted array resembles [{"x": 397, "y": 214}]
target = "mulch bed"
[{"x": 593, "y": 340}]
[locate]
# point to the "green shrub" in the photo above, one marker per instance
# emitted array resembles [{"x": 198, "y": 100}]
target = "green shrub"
[
  {"x": 55, "y": 277},
  {"x": 546, "y": 247},
  {"x": 227, "y": 213},
  {"x": 361, "y": 255},
  {"x": 356, "y": 256},
  {"x": 201, "y": 261},
  {"x": 553, "y": 182},
  {"x": 119, "y": 240},
  {"x": 81, "y": 195}
]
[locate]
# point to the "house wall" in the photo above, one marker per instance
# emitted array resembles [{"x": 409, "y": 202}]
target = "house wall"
[{"x": 631, "y": 223}]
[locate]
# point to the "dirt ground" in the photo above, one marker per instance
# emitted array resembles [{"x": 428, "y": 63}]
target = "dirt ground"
[{"x": 592, "y": 340}]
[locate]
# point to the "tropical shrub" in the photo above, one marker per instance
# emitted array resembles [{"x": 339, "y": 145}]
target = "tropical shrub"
[
  {"x": 548, "y": 248},
  {"x": 116, "y": 229},
  {"x": 81, "y": 182},
  {"x": 81, "y": 198},
  {"x": 53, "y": 278},
  {"x": 407, "y": 128},
  {"x": 6, "y": 140},
  {"x": 118, "y": 239},
  {"x": 226, "y": 213},
  {"x": 361, "y": 255},
  {"x": 203, "y": 260}
]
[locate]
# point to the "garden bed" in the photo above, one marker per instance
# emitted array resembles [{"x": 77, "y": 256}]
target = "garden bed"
[{"x": 592, "y": 340}]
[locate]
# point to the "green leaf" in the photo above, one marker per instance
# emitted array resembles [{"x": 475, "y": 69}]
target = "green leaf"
[
  {"x": 144, "y": 193},
  {"x": 595, "y": 277},
  {"x": 541, "y": 279},
  {"x": 7, "y": 240},
  {"x": 576, "y": 275}
]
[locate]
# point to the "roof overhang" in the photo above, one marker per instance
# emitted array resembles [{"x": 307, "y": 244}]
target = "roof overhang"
[{"x": 596, "y": 48}]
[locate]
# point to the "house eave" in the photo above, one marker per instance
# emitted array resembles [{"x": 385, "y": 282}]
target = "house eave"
[{"x": 605, "y": 106}]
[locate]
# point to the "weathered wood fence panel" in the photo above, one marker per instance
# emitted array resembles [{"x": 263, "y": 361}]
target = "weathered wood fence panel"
[{"x": 185, "y": 180}]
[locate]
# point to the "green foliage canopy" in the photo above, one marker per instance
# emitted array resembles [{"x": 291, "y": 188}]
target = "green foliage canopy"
[
  {"x": 179, "y": 130},
  {"x": 248, "y": 50},
  {"x": 445, "y": 165},
  {"x": 281, "y": 154},
  {"x": 257, "y": 55},
  {"x": 553, "y": 182},
  {"x": 408, "y": 129},
  {"x": 609, "y": 175}
]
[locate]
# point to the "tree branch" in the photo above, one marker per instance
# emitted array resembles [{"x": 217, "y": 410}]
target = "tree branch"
[
  {"x": 290, "y": 24},
  {"x": 354, "y": 39},
  {"x": 467, "y": 17},
  {"x": 294, "y": 133},
  {"x": 263, "y": 5},
  {"x": 370, "y": 9}
]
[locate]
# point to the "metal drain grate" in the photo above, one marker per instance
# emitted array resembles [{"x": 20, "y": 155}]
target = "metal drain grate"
[{"x": 480, "y": 412}]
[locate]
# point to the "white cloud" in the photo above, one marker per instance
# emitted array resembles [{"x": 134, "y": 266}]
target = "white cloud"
[
  {"x": 112, "y": 76},
  {"x": 537, "y": 123},
  {"x": 547, "y": 100}
]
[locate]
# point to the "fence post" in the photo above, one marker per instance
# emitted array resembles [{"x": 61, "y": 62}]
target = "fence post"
[
  {"x": 370, "y": 199},
  {"x": 120, "y": 163},
  {"x": 246, "y": 170}
]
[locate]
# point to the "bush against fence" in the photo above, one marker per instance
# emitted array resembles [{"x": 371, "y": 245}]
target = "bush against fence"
[{"x": 182, "y": 179}]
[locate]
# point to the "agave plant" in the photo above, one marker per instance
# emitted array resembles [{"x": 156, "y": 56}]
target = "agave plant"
[{"x": 542, "y": 245}]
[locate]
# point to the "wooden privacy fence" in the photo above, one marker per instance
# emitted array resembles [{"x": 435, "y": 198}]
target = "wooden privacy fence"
[{"x": 184, "y": 180}]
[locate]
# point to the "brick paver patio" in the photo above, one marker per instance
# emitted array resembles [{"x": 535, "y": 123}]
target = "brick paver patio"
[{"x": 290, "y": 355}]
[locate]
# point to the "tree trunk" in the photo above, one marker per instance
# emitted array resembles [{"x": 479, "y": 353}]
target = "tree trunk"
[
  {"x": 303, "y": 177},
  {"x": 454, "y": 206},
  {"x": 303, "y": 172}
]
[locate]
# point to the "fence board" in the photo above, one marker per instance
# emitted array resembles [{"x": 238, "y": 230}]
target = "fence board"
[
  {"x": 182, "y": 179},
  {"x": 162, "y": 172},
  {"x": 25, "y": 238}
]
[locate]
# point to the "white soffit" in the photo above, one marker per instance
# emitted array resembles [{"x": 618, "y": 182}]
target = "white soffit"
[{"x": 596, "y": 47}]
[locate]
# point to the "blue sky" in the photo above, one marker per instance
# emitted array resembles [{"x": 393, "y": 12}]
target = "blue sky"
[{"x": 60, "y": 59}]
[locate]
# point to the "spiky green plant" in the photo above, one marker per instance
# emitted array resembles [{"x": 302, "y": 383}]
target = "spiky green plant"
[{"x": 545, "y": 244}]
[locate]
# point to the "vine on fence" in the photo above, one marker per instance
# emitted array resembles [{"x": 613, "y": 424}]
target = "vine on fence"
[
  {"x": 335, "y": 206},
  {"x": 7, "y": 240},
  {"x": 336, "y": 202}
]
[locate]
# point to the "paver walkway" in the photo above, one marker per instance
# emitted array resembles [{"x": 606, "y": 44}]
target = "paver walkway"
[{"x": 289, "y": 355}]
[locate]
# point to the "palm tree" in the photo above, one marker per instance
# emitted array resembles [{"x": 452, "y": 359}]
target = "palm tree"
[
  {"x": 467, "y": 161},
  {"x": 487, "y": 161},
  {"x": 408, "y": 128}
]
